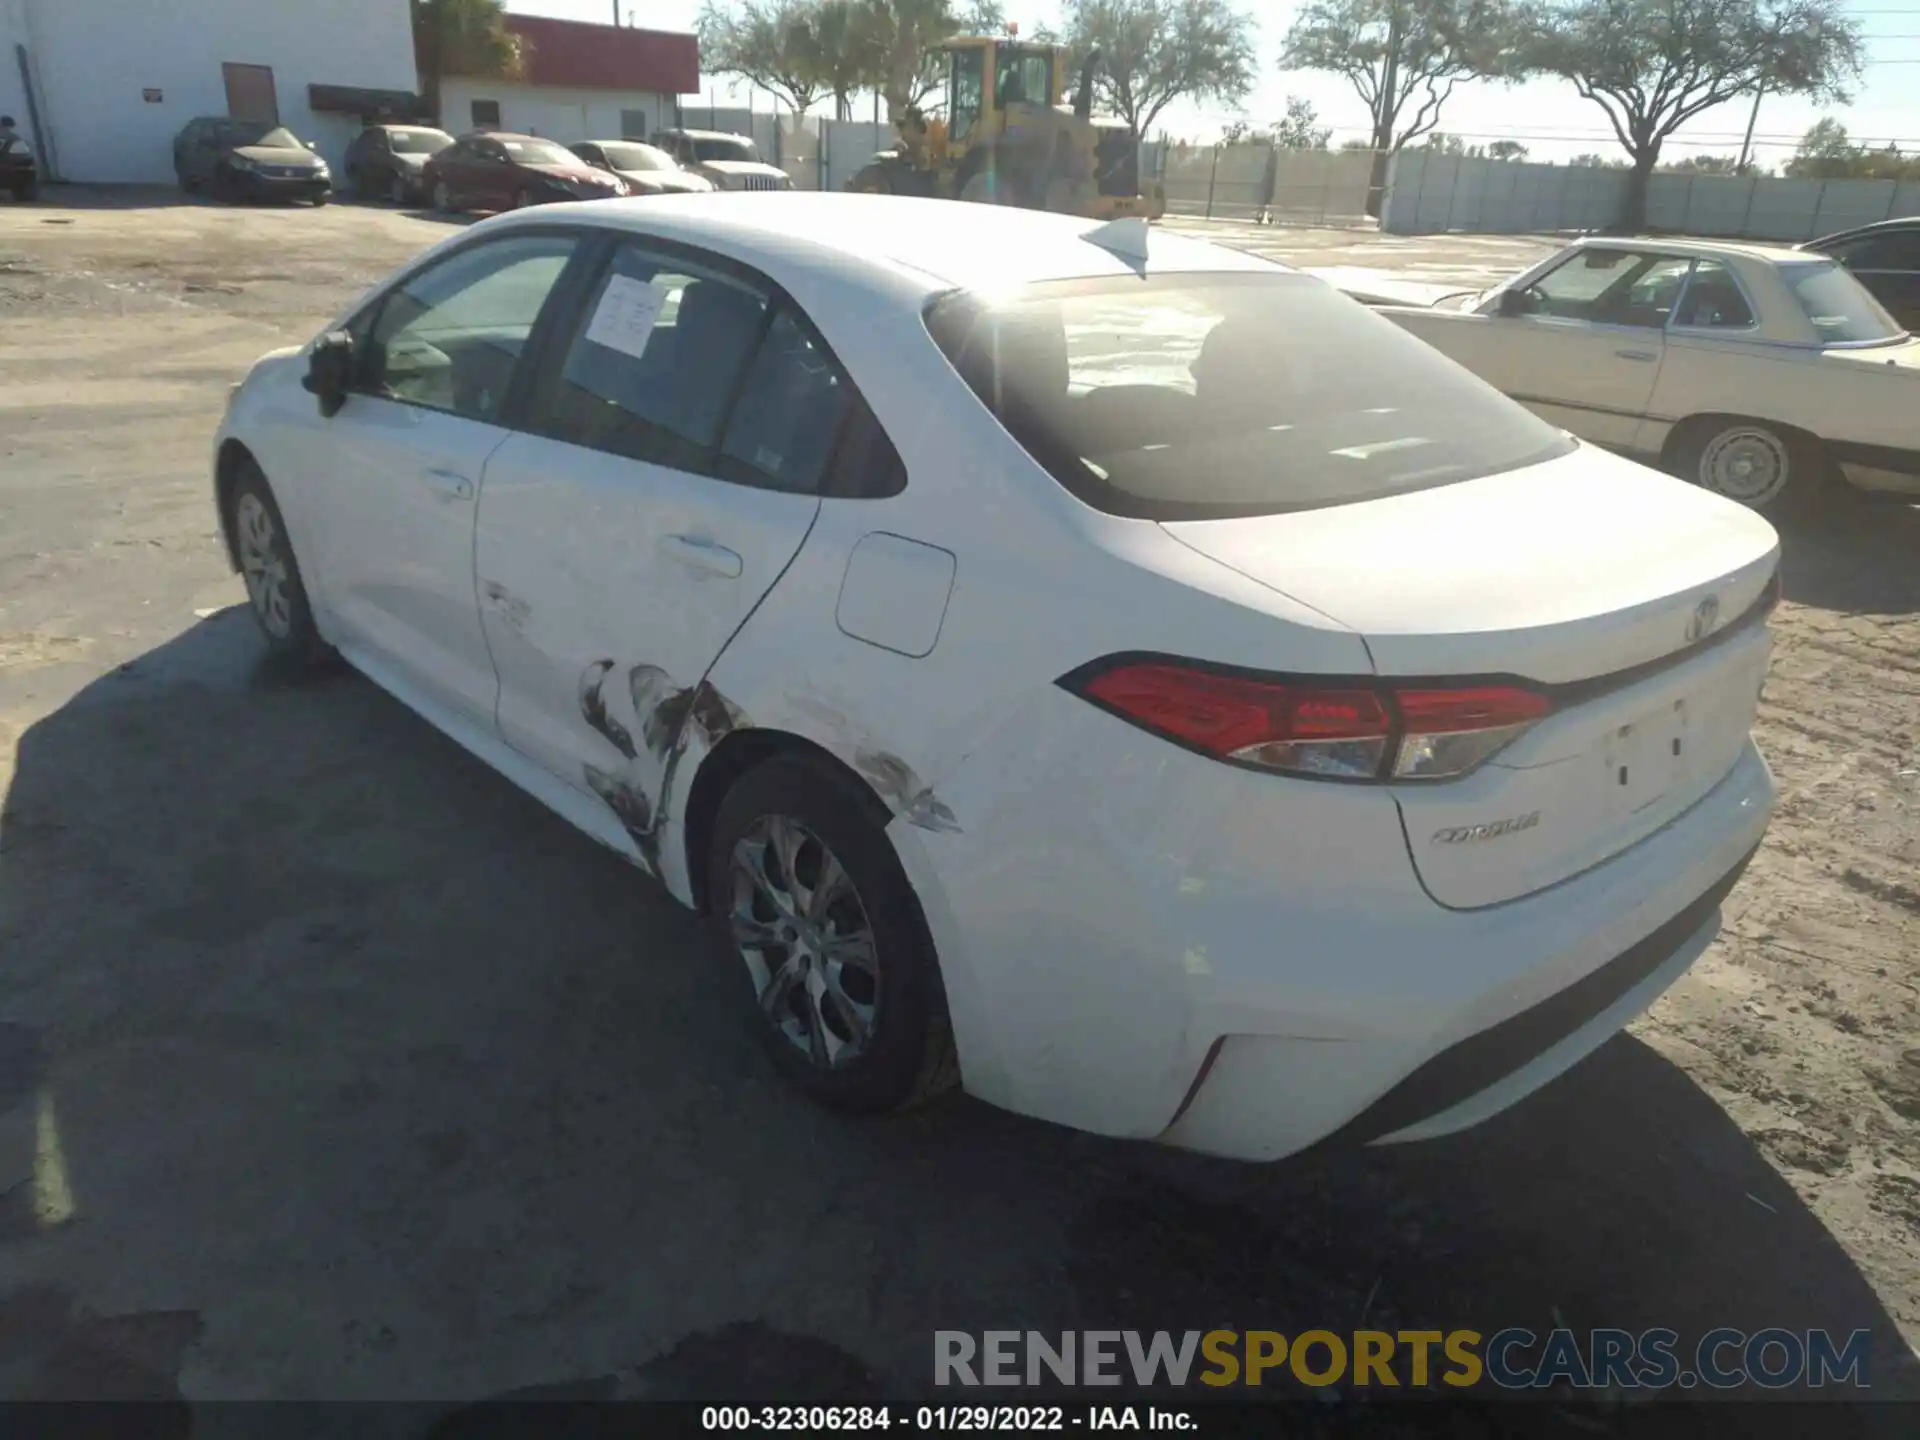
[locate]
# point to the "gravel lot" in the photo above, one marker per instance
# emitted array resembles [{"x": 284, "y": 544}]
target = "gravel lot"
[{"x": 331, "y": 1066}]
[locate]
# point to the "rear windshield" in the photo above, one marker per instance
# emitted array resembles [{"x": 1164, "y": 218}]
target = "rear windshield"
[
  {"x": 1840, "y": 307},
  {"x": 1191, "y": 397}
]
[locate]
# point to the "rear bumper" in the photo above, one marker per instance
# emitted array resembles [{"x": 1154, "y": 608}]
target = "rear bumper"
[{"x": 1155, "y": 946}]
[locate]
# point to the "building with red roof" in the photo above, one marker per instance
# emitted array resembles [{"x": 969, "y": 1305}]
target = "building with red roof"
[{"x": 581, "y": 82}]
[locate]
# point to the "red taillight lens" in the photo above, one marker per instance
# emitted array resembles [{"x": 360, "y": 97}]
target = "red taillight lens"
[{"x": 1351, "y": 732}]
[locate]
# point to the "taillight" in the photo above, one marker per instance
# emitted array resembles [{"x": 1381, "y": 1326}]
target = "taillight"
[{"x": 1361, "y": 730}]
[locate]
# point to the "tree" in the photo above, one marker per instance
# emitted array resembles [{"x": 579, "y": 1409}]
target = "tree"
[
  {"x": 1827, "y": 152},
  {"x": 1154, "y": 52},
  {"x": 1301, "y": 129},
  {"x": 1590, "y": 161},
  {"x": 1396, "y": 51},
  {"x": 769, "y": 43},
  {"x": 902, "y": 34},
  {"x": 1506, "y": 150},
  {"x": 463, "y": 37},
  {"x": 1653, "y": 65},
  {"x": 844, "y": 55},
  {"x": 1704, "y": 165},
  {"x": 1236, "y": 132}
]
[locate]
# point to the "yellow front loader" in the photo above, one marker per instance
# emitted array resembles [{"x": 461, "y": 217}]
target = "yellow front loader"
[{"x": 1008, "y": 139}]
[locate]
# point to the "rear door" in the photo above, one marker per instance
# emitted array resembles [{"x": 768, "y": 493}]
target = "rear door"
[{"x": 686, "y": 426}]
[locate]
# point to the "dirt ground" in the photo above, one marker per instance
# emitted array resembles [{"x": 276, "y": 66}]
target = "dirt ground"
[{"x": 331, "y": 1066}]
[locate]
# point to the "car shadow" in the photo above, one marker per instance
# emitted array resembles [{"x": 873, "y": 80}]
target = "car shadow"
[
  {"x": 1860, "y": 556},
  {"x": 334, "y": 1066}
]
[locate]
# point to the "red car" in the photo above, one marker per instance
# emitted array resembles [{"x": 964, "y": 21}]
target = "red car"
[{"x": 494, "y": 171}]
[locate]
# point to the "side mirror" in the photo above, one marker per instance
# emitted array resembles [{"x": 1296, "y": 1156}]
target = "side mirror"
[
  {"x": 1514, "y": 302},
  {"x": 330, "y": 371}
]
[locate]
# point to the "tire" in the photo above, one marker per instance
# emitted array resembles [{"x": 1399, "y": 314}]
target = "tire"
[
  {"x": 442, "y": 197},
  {"x": 397, "y": 190},
  {"x": 323, "y": 199},
  {"x": 276, "y": 593},
  {"x": 1764, "y": 467},
  {"x": 907, "y": 1056},
  {"x": 872, "y": 180}
]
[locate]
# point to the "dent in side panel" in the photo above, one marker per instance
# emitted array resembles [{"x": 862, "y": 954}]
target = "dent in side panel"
[{"x": 670, "y": 720}]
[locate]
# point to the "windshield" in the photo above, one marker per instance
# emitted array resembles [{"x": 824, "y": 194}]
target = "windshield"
[
  {"x": 637, "y": 157},
  {"x": 726, "y": 148},
  {"x": 267, "y": 137},
  {"x": 419, "y": 142},
  {"x": 1841, "y": 309},
  {"x": 537, "y": 152},
  {"x": 1202, "y": 396}
]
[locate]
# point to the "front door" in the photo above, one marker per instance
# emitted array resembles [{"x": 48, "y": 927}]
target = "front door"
[
  {"x": 398, "y": 469},
  {"x": 1587, "y": 350},
  {"x": 687, "y": 431}
]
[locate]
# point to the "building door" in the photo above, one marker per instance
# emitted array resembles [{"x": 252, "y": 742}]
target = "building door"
[{"x": 250, "y": 94}]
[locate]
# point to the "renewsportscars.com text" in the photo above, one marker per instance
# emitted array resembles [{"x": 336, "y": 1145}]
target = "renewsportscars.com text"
[{"x": 1510, "y": 1359}]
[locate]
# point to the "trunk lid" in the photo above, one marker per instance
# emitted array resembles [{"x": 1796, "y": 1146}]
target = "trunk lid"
[{"x": 1632, "y": 597}]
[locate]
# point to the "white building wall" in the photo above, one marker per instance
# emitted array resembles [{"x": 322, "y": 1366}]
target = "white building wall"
[
  {"x": 95, "y": 58},
  {"x": 559, "y": 113}
]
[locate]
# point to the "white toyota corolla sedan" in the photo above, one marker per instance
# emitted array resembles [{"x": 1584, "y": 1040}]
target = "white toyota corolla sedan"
[{"x": 1118, "y": 674}]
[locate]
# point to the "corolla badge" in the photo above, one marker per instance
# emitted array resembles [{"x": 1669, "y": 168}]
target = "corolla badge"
[
  {"x": 1492, "y": 830},
  {"x": 1705, "y": 616}
]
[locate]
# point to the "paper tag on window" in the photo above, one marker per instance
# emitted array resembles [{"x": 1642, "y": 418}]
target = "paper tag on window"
[{"x": 625, "y": 319}]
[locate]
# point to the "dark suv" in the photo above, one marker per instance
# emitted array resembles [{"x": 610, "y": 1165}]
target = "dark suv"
[
  {"x": 390, "y": 161},
  {"x": 248, "y": 159},
  {"x": 1885, "y": 258}
]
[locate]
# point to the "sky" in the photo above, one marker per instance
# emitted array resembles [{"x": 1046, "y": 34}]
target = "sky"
[{"x": 1545, "y": 115}]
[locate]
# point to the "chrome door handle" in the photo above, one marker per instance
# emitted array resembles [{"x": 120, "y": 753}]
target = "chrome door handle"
[
  {"x": 699, "y": 553},
  {"x": 449, "y": 484},
  {"x": 1638, "y": 354}
]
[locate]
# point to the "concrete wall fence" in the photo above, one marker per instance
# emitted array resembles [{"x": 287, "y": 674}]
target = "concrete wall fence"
[{"x": 1433, "y": 194}]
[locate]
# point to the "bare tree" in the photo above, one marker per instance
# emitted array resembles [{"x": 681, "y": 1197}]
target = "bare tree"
[
  {"x": 1154, "y": 52},
  {"x": 1653, "y": 65},
  {"x": 770, "y": 43}
]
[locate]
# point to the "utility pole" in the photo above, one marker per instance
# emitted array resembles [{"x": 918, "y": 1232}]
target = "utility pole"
[
  {"x": 616, "y": 14},
  {"x": 1753, "y": 118}
]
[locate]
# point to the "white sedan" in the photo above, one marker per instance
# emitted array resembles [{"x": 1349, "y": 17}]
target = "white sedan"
[
  {"x": 1754, "y": 371},
  {"x": 1036, "y": 681}
]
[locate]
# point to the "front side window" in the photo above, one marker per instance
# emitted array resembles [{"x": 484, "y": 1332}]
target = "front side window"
[
  {"x": 656, "y": 361},
  {"x": 1837, "y": 305},
  {"x": 1022, "y": 78},
  {"x": 450, "y": 337},
  {"x": 1614, "y": 287},
  {"x": 1204, "y": 396}
]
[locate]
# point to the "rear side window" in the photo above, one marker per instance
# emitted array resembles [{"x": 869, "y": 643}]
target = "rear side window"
[
  {"x": 656, "y": 362},
  {"x": 1841, "y": 309},
  {"x": 1202, "y": 396},
  {"x": 788, "y": 417}
]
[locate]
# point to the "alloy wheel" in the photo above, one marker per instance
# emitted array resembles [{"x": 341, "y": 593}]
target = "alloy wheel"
[
  {"x": 263, "y": 565},
  {"x": 798, "y": 922},
  {"x": 1746, "y": 463}
]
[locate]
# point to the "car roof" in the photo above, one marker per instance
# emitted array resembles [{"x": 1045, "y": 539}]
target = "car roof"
[
  {"x": 708, "y": 134},
  {"x": 1897, "y": 223},
  {"x": 1684, "y": 245},
  {"x": 501, "y": 135},
  {"x": 949, "y": 244}
]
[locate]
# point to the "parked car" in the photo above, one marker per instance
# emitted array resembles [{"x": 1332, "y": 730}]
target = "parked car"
[
  {"x": 1886, "y": 259},
  {"x": 1120, "y": 672},
  {"x": 730, "y": 162},
  {"x": 249, "y": 160},
  {"x": 1758, "y": 372},
  {"x": 647, "y": 169},
  {"x": 492, "y": 170},
  {"x": 389, "y": 161},
  {"x": 19, "y": 171}
]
